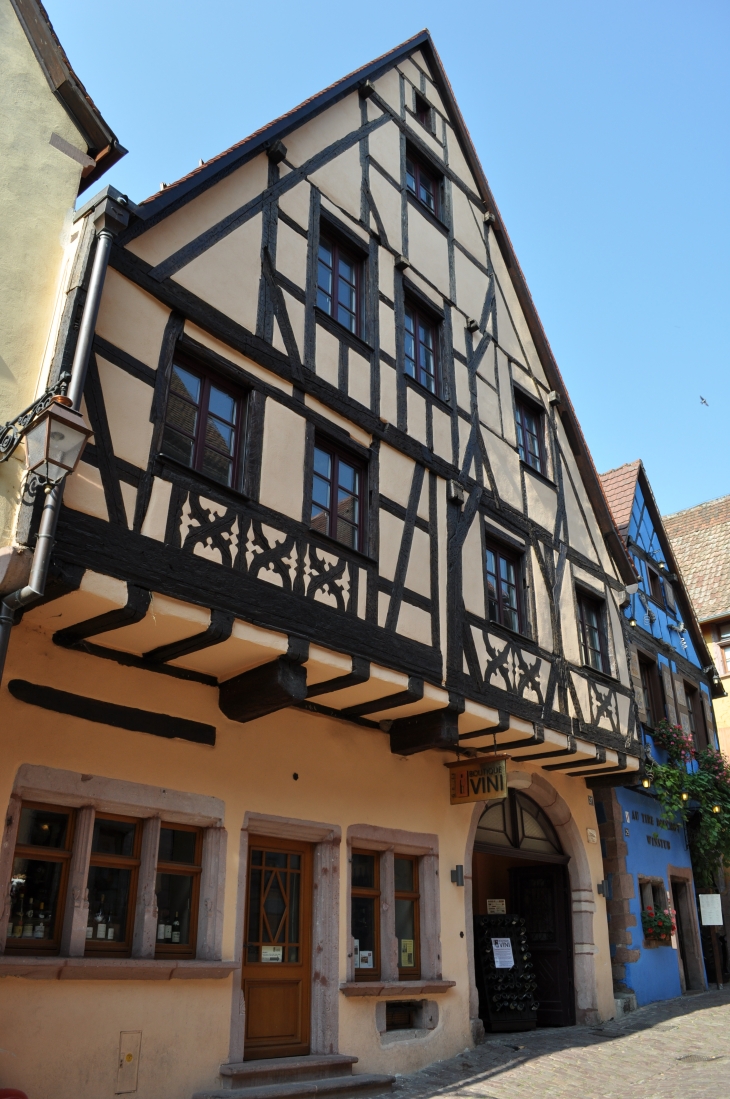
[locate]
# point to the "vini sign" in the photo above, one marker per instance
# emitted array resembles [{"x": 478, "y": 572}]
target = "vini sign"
[{"x": 478, "y": 780}]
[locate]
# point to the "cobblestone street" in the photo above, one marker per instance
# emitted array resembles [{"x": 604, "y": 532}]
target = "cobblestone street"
[{"x": 678, "y": 1049}]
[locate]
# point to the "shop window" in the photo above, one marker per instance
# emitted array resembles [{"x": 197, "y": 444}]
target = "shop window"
[
  {"x": 503, "y": 572},
  {"x": 530, "y": 434},
  {"x": 177, "y": 887},
  {"x": 407, "y": 917},
  {"x": 39, "y": 879},
  {"x": 339, "y": 284},
  {"x": 112, "y": 883},
  {"x": 203, "y": 423},
  {"x": 337, "y": 495},
  {"x": 592, "y": 622},
  {"x": 516, "y": 821},
  {"x": 424, "y": 184},
  {"x": 421, "y": 348},
  {"x": 366, "y": 914}
]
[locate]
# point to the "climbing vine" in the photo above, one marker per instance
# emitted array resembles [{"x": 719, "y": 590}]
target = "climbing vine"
[{"x": 696, "y": 787}]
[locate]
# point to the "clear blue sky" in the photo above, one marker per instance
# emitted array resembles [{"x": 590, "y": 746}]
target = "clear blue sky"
[{"x": 602, "y": 128}]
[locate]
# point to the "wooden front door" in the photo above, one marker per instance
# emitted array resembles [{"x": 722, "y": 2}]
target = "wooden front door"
[
  {"x": 277, "y": 949},
  {"x": 541, "y": 895}
]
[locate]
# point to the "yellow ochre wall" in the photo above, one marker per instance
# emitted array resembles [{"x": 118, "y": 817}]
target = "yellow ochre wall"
[
  {"x": 60, "y": 1039},
  {"x": 38, "y": 187}
]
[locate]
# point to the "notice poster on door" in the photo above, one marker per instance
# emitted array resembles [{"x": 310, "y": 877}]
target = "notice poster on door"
[
  {"x": 710, "y": 909},
  {"x": 503, "y": 956},
  {"x": 272, "y": 953},
  {"x": 406, "y": 954}
]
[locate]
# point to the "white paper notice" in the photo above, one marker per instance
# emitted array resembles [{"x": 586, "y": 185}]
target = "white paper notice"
[
  {"x": 711, "y": 909},
  {"x": 503, "y": 956},
  {"x": 272, "y": 953}
]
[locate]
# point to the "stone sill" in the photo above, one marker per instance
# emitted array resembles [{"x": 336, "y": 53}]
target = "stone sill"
[
  {"x": 112, "y": 969},
  {"x": 395, "y": 988}
]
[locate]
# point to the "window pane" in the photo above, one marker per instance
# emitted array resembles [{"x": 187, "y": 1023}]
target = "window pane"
[
  {"x": 181, "y": 415},
  {"x": 113, "y": 837},
  {"x": 347, "y": 295},
  {"x": 403, "y": 875},
  {"x": 275, "y": 858},
  {"x": 108, "y": 903},
  {"x": 219, "y": 435},
  {"x": 363, "y": 931},
  {"x": 492, "y": 586},
  {"x": 34, "y": 899},
  {"x": 185, "y": 384},
  {"x": 174, "y": 898},
  {"x": 347, "y": 507},
  {"x": 508, "y": 585},
  {"x": 254, "y": 906},
  {"x": 324, "y": 277},
  {"x": 41, "y": 828},
  {"x": 177, "y": 446},
  {"x": 346, "y": 533},
  {"x": 222, "y": 405},
  {"x": 294, "y": 884},
  {"x": 427, "y": 192},
  {"x": 410, "y": 176},
  {"x": 322, "y": 463},
  {"x": 177, "y": 846},
  {"x": 217, "y": 466},
  {"x": 363, "y": 871},
  {"x": 410, "y": 344},
  {"x": 405, "y": 924}
]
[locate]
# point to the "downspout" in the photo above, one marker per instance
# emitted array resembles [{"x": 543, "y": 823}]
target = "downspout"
[{"x": 109, "y": 219}]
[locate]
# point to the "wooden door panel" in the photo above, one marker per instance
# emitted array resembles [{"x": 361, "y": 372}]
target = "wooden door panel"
[{"x": 273, "y": 1011}]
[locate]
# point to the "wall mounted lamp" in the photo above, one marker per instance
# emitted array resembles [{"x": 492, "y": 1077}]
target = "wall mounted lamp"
[{"x": 457, "y": 875}]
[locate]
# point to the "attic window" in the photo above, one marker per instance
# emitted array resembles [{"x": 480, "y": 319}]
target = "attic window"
[{"x": 423, "y": 113}]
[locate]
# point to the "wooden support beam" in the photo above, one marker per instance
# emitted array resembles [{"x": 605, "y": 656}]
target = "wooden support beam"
[
  {"x": 263, "y": 690},
  {"x": 435, "y": 729},
  {"x": 138, "y": 601},
  {"x": 413, "y": 693},
  {"x": 360, "y": 674},
  {"x": 221, "y": 624}
]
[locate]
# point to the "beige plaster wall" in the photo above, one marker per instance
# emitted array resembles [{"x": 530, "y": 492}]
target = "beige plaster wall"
[
  {"x": 38, "y": 186},
  {"x": 346, "y": 776}
]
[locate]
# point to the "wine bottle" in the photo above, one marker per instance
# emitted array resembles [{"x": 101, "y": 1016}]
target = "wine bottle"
[
  {"x": 39, "y": 924},
  {"x": 18, "y": 917},
  {"x": 28, "y": 922},
  {"x": 176, "y": 929},
  {"x": 100, "y": 920}
]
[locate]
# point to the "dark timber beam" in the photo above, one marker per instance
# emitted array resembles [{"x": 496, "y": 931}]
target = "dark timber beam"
[
  {"x": 571, "y": 750},
  {"x": 263, "y": 690},
  {"x": 435, "y": 729},
  {"x": 360, "y": 674},
  {"x": 138, "y": 601},
  {"x": 502, "y": 727},
  {"x": 600, "y": 757},
  {"x": 221, "y": 624},
  {"x": 413, "y": 693}
]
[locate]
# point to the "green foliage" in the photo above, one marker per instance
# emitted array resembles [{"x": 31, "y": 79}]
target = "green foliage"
[{"x": 704, "y": 778}]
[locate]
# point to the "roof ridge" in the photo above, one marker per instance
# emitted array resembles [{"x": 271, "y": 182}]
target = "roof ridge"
[{"x": 695, "y": 507}]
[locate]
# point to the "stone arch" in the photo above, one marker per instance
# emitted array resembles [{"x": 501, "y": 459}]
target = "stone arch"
[{"x": 583, "y": 904}]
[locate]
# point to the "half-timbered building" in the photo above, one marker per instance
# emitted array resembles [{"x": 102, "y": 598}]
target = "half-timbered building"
[{"x": 338, "y": 528}]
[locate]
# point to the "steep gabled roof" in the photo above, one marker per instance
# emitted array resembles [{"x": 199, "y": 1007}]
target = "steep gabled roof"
[
  {"x": 700, "y": 537},
  {"x": 619, "y": 487},
  {"x": 189, "y": 186},
  {"x": 101, "y": 142}
]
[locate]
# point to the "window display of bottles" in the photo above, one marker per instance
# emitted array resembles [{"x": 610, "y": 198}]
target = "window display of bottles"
[
  {"x": 34, "y": 892},
  {"x": 505, "y": 973},
  {"x": 176, "y": 888},
  {"x": 108, "y": 904},
  {"x": 174, "y": 896}
]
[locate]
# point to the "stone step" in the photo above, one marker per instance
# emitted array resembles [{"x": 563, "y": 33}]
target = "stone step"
[
  {"x": 294, "y": 1088},
  {"x": 277, "y": 1070}
]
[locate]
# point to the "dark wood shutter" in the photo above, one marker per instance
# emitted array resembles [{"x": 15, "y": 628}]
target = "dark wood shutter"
[
  {"x": 635, "y": 669},
  {"x": 669, "y": 695}
]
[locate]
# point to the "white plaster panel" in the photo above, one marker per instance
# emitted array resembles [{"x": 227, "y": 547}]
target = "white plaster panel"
[
  {"x": 358, "y": 378},
  {"x": 411, "y": 74},
  {"x": 542, "y": 606},
  {"x": 227, "y": 275},
  {"x": 442, "y": 444},
  {"x": 235, "y": 357},
  {"x": 155, "y": 520},
  {"x": 388, "y": 203},
  {"x": 568, "y": 620},
  {"x": 525, "y": 379},
  {"x": 457, "y": 161},
  {"x": 387, "y": 329},
  {"x": 131, "y": 319},
  {"x": 473, "y": 571},
  {"x": 577, "y": 530},
  {"x": 291, "y": 255},
  {"x": 386, "y": 273},
  {"x": 324, "y": 130},
  {"x": 327, "y": 355},
  {"x": 414, "y": 623},
  {"x": 383, "y": 604},
  {"x": 506, "y": 469},
  {"x": 488, "y": 403},
  {"x": 129, "y": 499},
  {"x": 468, "y": 225},
  {"x": 127, "y": 401},
  {"x": 84, "y": 491},
  {"x": 282, "y": 466},
  {"x": 384, "y": 146},
  {"x": 463, "y": 396},
  {"x": 416, "y": 416},
  {"x": 391, "y": 534},
  {"x": 388, "y": 394},
  {"x": 506, "y": 398},
  {"x": 425, "y": 287},
  {"x": 352, "y": 429},
  {"x": 396, "y": 474},
  {"x": 542, "y": 501},
  {"x": 464, "y": 434},
  {"x": 388, "y": 88},
  {"x": 295, "y": 311},
  {"x": 433, "y": 97},
  {"x": 422, "y": 510},
  {"x": 428, "y": 250},
  {"x": 277, "y": 340},
  {"x": 201, "y": 213},
  {"x": 505, "y": 329},
  {"x": 433, "y": 143},
  {"x": 340, "y": 180},
  {"x": 295, "y": 203},
  {"x": 598, "y": 541},
  {"x": 418, "y": 573}
]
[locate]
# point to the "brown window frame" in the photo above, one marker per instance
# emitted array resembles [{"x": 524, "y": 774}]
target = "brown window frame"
[
  {"x": 418, "y": 172},
  {"x": 655, "y": 586},
  {"x": 207, "y": 378},
  {"x": 695, "y": 711},
  {"x": 423, "y": 112},
  {"x": 362, "y": 891},
  {"x": 338, "y": 454},
  {"x": 526, "y": 408},
  {"x": 587, "y": 600},
  {"x": 650, "y": 680},
  {"x": 349, "y": 255},
  {"x": 411, "y": 973},
  {"x": 182, "y": 869},
  {"x": 119, "y": 947},
  {"x": 19, "y": 945},
  {"x": 422, "y": 318},
  {"x": 516, "y": 561}
]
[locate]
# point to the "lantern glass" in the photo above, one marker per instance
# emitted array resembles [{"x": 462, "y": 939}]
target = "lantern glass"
[{"x": 55, "y": 442}]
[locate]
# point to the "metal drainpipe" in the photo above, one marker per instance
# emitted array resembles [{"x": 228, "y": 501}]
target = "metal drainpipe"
[{"x": 109, "y": 218}]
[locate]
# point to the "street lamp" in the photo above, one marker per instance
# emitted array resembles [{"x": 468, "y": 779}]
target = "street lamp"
[{"x": 54, "y": 444}]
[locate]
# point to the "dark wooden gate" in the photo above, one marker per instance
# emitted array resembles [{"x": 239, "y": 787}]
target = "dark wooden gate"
[{"x": 541, "y": 895}]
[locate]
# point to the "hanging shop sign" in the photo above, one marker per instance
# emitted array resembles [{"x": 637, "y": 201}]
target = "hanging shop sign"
[{"x": 478, "y": 779}]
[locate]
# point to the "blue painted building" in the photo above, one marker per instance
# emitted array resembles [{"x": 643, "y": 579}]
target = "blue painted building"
[{"x": 646, "y": 856}]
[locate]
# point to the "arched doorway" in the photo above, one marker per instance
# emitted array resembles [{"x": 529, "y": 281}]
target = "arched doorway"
[{"x": 518, "y": 866}]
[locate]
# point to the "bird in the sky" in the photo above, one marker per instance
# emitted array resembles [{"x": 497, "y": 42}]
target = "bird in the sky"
[{"x": 703, "y": 401}]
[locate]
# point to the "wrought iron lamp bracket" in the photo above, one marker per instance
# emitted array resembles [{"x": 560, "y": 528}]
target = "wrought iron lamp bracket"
[{"x": 13, "y": 431}]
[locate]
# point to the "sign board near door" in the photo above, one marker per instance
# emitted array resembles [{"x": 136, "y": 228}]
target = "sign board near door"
[{"x": 477, "y": 780}]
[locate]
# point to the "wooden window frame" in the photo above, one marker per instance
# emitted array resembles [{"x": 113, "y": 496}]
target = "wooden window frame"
[
  {"x": 63, "y": 855},
  {"x": 123, "y": 947},
  {"x": 182, "y": 869},
  {"x": 426, "y": 172},
  {"x": 361, "y": 891},
  {"x": 423, "y": 111},
  {"x": 338, "y": 454},
  {"x": 413, "y": 973},
  {"x": 342, "y": 251},
  {"x": 427, "y": 320},
  {"x": 516, "y": 559},
  {"x": 656, "y": 592},
  {"x": 584, "y": 600},
  {"x": 652, "y": 686},
  {"x": 696, "y": 714},
  {"x": 525, "y": 407},
  {"x": 209, "y": 377}
]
